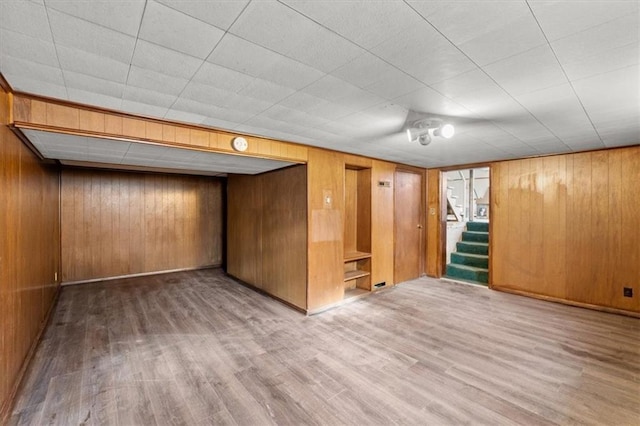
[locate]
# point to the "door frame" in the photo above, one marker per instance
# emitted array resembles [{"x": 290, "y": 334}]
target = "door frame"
[
  {"x": 441, "y": 240},
  {"x": 422, "y": 221}
]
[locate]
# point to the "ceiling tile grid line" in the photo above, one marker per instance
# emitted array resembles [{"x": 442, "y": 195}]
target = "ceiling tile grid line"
[
  {"x": 497, "y": 83},
  {"x": 449, "y": 41},
  {"x": 210, "y": 52},
  {"x": 565, "y": 74},
  {"x": 56, "y": 50},
  {"x": 524, "y": 77}
]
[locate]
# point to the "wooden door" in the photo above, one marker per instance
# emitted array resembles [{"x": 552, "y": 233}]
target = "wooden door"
[{"x": 408, "y": 226}]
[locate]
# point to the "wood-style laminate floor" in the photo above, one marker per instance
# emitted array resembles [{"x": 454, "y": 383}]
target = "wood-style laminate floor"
[{"x": 198, "y": 348}]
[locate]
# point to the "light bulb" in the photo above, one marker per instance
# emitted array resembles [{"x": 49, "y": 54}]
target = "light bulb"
[{"x": 447, "y": 131}]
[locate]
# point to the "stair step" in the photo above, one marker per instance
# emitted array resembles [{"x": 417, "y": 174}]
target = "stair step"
[
  {"x": 470, "y": 273},
  {"x": 478, "y": 226},
  {"x": 472, "y": 247},
  {"x": 478, "y": 237},
  {"x": 477, "y": 260}
]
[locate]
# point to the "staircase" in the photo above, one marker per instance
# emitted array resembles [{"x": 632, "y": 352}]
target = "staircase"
[{"x": 471, "y": 260}]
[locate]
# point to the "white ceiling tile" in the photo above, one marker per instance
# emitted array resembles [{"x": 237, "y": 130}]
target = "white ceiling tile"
[
  {"x": 219, "y": 124},
  {"x": 599, "y": 49},
  {"x": 610, "y": 60},
  {"x": 365, "y": 23},
  {"x": 562, "y": 18},
  {"x": 266, "y": 91},
  {"x": 243, "y": 56},
  {"x": 206, "y": 94},
  {"x": 33, "y": 71},
  {"x": 302, "y": 101},
  {"x": 219, "y": 13},
  {"x": 378, "y": 77},
  {"x": 616, "y": 33},
  {"x": 148, "y": 96},
  {"x": 183, "y": 116},
  {"x": 291, "y": 34},
  {"x": 165, "y": 61},
  {"x": 167, "y": 27},
  {"x": 286, "y": 29},
  {"x": 424, "y": 53},
  {"x": 21, "y": 83},
  {"x": 92, "y": 38},
  {"x": 222, "y": 78},
  {"x": 141, "y": 108},
  {"x": 125, "y": 17},
  {"x": 289, "y": 73},
  {"x": 25, "y": 17},
  {"x": 93, "y": 98},
  {"x": 97, "y": 66},
  {"x": 247, "y": 104},
  {"x": 88, "y": 83},
  {"x": 16, "y": 45},
  {"x": 331, "y": 88},
  {"x": 427, "y": 100},
  {"x": 365, "y": 70},
  {"x": 526, "y": 72},
  {"x": 152, "y": 80},
  {"x": 324, "y": 50},
  {"x": 485, "y": 31}
]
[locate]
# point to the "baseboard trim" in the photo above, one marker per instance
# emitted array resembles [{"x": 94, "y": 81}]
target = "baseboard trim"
[
  {"x": 141, "y": 274},
  {"x": 7, "y": 406},
  {"x": 567, "y": 302}
]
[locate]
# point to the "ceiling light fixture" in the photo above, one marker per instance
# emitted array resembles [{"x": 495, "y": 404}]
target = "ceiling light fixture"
[{"x": 423, "y": 130}]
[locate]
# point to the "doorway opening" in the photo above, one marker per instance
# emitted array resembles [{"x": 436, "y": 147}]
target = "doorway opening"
[{"x": 467, "y": 231}]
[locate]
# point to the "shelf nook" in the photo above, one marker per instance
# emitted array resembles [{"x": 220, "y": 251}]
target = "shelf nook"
[{"x": 357, "y": 231}]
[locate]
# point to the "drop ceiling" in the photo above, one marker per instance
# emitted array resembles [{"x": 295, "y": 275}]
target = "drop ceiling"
[
  {"x": 82, "y": 150},
  {"x": 517, "y": 78}
]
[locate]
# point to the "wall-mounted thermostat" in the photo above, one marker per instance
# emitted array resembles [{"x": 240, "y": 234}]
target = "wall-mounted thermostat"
[{"x": 239, "y": 144}]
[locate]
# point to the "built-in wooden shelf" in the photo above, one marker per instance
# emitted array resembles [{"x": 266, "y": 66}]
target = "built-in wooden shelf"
[
  {"x": 352, "y": 275},
  {"x": 352, "y": 256}
]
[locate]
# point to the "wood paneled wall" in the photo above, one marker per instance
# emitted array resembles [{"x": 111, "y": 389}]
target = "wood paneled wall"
[
  {"x": 382, "y": 217},
  {"x": 436, "y": 224},
  {"x": 567, "y": 227},
  {"x": 119, "y": 223},
  {"x": 29, "y": 252},
  {"x": 267, "y": 232},
  {"x": 326, "y": 228}
]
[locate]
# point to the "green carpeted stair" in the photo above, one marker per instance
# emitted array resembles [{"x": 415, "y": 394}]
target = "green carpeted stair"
[{"x": 471, "y": 260}]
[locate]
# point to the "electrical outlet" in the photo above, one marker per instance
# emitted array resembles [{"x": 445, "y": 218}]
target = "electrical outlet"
[
  {"x": 627, "y": 292},
  {"x": 55, "y": 276}
]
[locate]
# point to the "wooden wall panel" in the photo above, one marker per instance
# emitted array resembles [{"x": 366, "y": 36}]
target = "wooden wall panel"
[
  {"x": 435, "y": 224},
  {"x": 267, "y": 232},
  {"x": 29, "y": 252},
  {"x": 587, "y": 211},
  {"x": 325, "y": 176},
  {"x": 284, "y": 234},
  {"x": 382, "y": 222},
  {"x": 119, "y": 223}
]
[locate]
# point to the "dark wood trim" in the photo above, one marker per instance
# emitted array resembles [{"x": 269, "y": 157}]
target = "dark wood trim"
[
  {"x": 141, "y": 274},
  {"x": 4, "y": 84},
  {"x": 442, "y": 261},
  {"x": 137, "y": 169},
  {"x": 567, "y": 302},
  {"x": 23, "y": 138},
  {"x": 264, "y": 293},
  {"x": 5, "y": 410}
]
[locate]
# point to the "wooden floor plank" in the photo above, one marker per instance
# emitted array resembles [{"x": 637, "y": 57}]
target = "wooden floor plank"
[{"x": 198, "y": 348}]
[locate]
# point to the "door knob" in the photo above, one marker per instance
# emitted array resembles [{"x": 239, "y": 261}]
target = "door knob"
[{"x": 419, "y": 226}]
